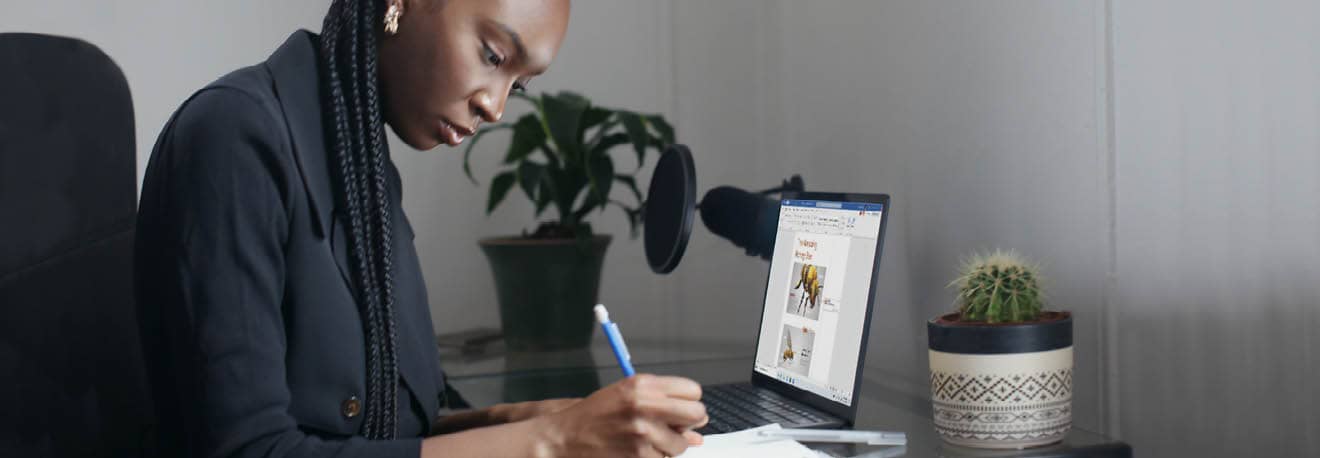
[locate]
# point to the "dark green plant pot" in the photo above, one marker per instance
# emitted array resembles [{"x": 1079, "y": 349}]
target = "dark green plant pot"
[{"x": 546, "y": 289}]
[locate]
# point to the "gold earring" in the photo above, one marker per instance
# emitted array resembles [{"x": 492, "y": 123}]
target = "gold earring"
[{"x": 392, "y": 19}]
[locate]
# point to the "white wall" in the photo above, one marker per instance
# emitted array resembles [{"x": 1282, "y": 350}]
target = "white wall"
[
  {"x": 1217, "y": 122},
  {"x": 1161, "y": 159},
  {"x": 168, "y": 48}
]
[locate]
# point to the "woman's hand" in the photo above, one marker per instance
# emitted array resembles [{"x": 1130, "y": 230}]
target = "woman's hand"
[
  {"x": 532, "y": 409},
  {"x": 642, "y": 416},
  {"x": 499, "y": 414}
]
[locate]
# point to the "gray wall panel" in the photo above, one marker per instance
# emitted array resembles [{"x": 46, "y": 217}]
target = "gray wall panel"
[{"x": 1218, "y": 140}]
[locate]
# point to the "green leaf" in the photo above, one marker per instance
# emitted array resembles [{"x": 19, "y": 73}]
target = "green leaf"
[
  {"x": 563, "y": 115},
  {"x": 467, "y": 154},
  {"x": 632, "y": 186},
  {"x": 578, "y": 173},
  {"x": 636, "y": 128},
  {"x": 527, "y": 136},
  {"x": 609, "y": 142},
  {"x": 529, "y": 178},
  {"x": 604, "y": 129},
  {"x": 538, "y": 102},
  {"x": 567, "y": 186},
  {"x": 589, "y": 203},
  {"x": 662, "y": 127},
  {"x": 577, "y": 185},
  {"x": 544, "y": 195},
  {"x": 499, "y": 187},
  {"x": 634, "y": 217},
  {"x": 550, "y": 158},
  {"x": 593, "y": 117},
  {"x": 601, "y": 176}
]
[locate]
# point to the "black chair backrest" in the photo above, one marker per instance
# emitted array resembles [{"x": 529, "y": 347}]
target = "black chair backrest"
[{"x": 71, "y": 375}]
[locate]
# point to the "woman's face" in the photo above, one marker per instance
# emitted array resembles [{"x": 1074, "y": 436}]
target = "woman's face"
[{"x": 453, "y": 63}]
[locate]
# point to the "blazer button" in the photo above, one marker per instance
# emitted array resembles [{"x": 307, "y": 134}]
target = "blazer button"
[{"x": 351, "y": 407}]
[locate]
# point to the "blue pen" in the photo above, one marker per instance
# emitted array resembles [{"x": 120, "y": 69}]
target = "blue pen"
[{"x": 616, "y": 340}]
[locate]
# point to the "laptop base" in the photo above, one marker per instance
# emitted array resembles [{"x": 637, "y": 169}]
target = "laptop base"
[{"x": 738, "y": 406}]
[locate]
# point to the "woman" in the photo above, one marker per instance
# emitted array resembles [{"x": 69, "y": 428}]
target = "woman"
[{"x": 280, "y": 298}]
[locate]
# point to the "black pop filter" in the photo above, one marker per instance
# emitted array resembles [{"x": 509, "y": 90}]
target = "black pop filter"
[{"x": 671, "y": 204}]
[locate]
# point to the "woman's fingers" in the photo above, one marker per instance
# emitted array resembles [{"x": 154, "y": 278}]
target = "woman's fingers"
[
  {"x": 674, "y": 400},
  {"x": 674, "y": 412},
  {"x": 663, "y": 410},
  {"x": 678, "y": 387},
  {"x": 663, "y": 438}
]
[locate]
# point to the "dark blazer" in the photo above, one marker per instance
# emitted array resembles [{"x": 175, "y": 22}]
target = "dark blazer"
[{"x": 253, "y": 341}]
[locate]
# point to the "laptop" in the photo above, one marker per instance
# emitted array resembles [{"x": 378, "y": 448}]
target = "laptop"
[{"x": 815, "y": 318}]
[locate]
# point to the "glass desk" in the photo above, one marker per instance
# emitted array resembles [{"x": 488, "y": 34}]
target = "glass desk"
[{"x": 490, "y": 375}]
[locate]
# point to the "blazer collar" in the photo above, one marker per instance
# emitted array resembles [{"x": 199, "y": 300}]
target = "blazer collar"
[{"x": 295, "y": 69}]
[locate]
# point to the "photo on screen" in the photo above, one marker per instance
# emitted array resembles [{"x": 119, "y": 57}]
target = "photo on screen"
[
  {"x": 805, "y": 293},
  {"x": 795, "y": 349}
]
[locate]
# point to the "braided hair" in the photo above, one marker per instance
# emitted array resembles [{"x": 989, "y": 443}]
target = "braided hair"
[{"x": 350, "y": 89}]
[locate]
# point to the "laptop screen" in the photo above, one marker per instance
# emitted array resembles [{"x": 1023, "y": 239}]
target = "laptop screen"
[{"x": 815, "y": 305}]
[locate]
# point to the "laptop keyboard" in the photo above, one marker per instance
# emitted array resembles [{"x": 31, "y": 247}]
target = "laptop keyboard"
[{"x": 739, "y": 406}]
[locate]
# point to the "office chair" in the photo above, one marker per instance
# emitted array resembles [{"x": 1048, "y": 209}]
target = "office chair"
[{"x": 72, "y": 381}]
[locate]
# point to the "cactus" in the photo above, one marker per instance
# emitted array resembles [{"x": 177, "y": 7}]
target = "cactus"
[{"x": 999, "y": 287}]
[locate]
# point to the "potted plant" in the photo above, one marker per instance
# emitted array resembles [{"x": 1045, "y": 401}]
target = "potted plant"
[
  {"x": 559, "y": 155},
  {"x": 1000, "y": 366}
]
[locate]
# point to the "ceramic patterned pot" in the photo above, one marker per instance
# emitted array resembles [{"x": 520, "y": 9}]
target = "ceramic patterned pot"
[{"x": 1002, "y": 386}]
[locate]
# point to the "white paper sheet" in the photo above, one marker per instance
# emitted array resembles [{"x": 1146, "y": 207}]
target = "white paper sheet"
[{"x": 750, "y": 444}]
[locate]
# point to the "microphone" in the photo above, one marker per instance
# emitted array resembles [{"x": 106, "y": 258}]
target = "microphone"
[{"x": 747, "y": 219}]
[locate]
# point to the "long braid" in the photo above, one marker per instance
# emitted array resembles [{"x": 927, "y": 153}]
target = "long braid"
[
  {"x": 375, "y": 376},
  {"x": 377, "y": 148},
  {"x": 348, "y": 54},
  {"x": 370, "y": 179}
]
